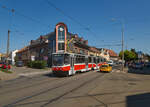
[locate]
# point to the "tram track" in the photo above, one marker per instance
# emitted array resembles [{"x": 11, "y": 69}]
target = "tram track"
[
  {"x": 19, "y": 80},
  {"x": 72, "y": 90},
  {"x": 28, "y": 86},
  {"x": 14, "y": 103}
]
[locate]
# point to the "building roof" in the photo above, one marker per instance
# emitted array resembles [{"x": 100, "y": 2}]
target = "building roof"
[
  {"x": 112, "y": 53},
  {"x": 23, "y": 49}
]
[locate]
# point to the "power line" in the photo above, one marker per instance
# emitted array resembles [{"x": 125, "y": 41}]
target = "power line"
[
  {"x": 22, "y": 15},
  {"x": 108, "y": 45},
  {"x": 70, "y": 17}
]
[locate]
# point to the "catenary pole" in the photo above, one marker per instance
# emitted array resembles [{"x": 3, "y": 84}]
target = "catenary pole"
[{"x": 122, "y": 46}]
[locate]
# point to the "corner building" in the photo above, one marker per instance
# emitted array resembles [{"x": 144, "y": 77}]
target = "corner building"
[{"x": 59, "y": 41}]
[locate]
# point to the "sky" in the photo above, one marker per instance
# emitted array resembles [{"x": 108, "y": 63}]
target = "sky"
[{"x": 103, "y": 18}]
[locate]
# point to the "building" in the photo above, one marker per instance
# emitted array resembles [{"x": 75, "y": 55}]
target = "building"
[
  {"x": 59, "y": 41},
  {"x": 12, "y": 56},
  {"x": 2, "y": 57},
  {"x": 113, "y": 56}
]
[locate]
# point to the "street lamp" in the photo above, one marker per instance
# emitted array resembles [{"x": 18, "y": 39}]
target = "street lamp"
[{"x": 122, "y": 31}]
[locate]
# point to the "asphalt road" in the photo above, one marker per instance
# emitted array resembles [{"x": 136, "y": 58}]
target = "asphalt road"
[{"x": 90, "y": 89}]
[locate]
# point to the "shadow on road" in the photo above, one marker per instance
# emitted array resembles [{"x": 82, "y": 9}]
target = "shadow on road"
[
  {"x": 51, "y": 75},
  {"x": 139, "y": 100},
  {"x": 144, "y": 71}
]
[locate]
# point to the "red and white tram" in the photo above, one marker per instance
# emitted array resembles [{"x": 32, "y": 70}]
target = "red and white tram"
[{"x": 69, "y": 63}]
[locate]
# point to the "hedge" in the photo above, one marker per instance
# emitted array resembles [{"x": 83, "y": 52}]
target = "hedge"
[{"x": 37, "y": 64}]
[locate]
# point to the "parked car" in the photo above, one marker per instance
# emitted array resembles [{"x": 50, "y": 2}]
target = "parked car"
[
  {"x": 105, "y": 68},
  {"x": 138, "y": 66},
  {"x": 19, "y": 64},
  {"x": 111, "y": 63},
  {"x": 5, "y": 66},
  {"x": 147, "y": 64}
]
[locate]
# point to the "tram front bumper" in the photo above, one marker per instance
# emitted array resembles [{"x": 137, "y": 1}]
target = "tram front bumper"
[{"x": 63, "y": 73}]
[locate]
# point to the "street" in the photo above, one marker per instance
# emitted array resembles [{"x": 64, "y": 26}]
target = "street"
[
  {"x": 99, "y": 47},
  {"x": 91, "y": 89}
]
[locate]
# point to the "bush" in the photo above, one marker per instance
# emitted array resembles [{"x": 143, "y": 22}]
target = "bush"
[
  {"x": 30, "y": 64},
  {"x": 37, "y": 64}
]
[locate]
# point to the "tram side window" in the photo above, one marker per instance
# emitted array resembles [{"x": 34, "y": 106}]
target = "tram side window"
[
  {"x": 66, "y": 59},
  {"x": 86, "y": 60},
  {"x": 83, "y": 59},
  {"x": 94, "y": 60},
  {"x": 80, "y": 59},
  {"x": 89, "y": 59},
  {"x": 77, "y": 59},
  {"x": 101, "y": 59},
  {"x": 97, "y": 60},
  {"x": 104, "y": 60}
]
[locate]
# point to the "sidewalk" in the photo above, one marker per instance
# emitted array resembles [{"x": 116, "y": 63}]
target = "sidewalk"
[
  {"x": 120, "y": 71},
  {"x": 8, "y": 76},
  {"x": 23, "y": 71}
]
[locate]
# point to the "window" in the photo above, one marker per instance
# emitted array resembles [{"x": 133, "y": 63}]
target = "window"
[
  {"x": 61, "y": 46},
  {"x": 81, "y": 51},
  {"x": 61, "y": 33},
  {"x": 94, "y": 60},
  {"x": 66, "y": 59},
  {"x": 58, "y": 59},
  {"x": 97, "y": 60},
  {"x": 80, "y": 59},
  {"x": 76, "y": 50},
  {"x": 41, "y": 50},
  {"x": 89, "y": 59}
]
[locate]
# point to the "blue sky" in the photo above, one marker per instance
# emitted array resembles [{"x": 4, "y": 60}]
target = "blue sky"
[{"x": 94, "y": 14}]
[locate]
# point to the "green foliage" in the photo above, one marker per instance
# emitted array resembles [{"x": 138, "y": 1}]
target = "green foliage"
[
  {"x": 30, "y": 64},
  {"x": 128, "y": 55},
  {"x": 16, "y": 58},
  {"x": 37, "y": 64},
  {"x": 5, "y": 70}
]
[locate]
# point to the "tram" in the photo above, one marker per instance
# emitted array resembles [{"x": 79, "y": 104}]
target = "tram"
[{"x": 69, "y": 63}]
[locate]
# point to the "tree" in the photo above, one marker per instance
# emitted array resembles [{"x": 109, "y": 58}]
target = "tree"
[
  {"x": 134, "y": 51},
  {"x": 128, "y": 55},
  {"x": 16, "y": 58}
]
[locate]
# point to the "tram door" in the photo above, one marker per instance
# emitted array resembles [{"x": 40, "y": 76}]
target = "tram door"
[
  {"x": 86, "y": 62},
  {"x": 72, "y": 64}
]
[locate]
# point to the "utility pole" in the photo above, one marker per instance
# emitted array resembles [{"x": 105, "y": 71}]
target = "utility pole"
[
  {"x": 8, "y": 39},
  {"x": 7, "y": 48},
  {"x": 122, "y": 30},
  {"x": 8, "y": 42},
  {"x": 122, "y": 46}
]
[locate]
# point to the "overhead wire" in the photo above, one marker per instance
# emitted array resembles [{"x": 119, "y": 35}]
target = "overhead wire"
[
  {"x": 70, "y": 17},
  {"x": 22, "y": 15}
]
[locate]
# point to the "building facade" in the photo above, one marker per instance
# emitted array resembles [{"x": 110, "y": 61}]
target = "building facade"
[
  {"x": 59, "y": 41},
  {"x": 12, "y": 56}
]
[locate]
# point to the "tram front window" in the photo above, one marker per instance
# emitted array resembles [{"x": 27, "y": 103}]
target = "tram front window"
[{"x": 58, "y": 60}]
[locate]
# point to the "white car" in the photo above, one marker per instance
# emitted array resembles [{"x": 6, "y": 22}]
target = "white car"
[{"x": 110, "y": 62}]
